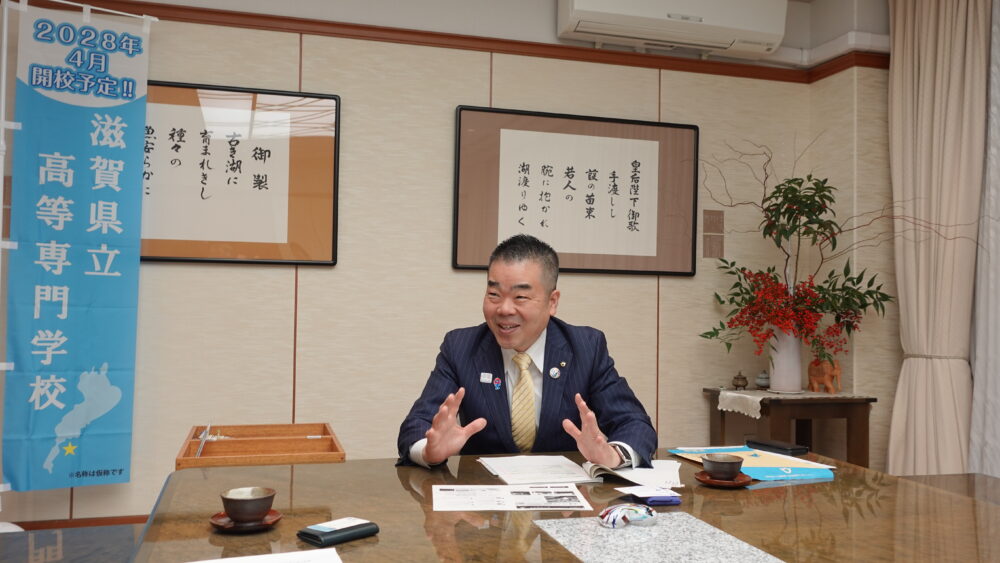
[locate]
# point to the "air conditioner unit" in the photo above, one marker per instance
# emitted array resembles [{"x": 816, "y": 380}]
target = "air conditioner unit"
[{"x": 748, "y": 29}]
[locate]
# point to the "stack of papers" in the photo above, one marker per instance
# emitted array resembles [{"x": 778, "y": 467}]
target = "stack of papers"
[
  {"x": 644, "y": 491},
  {"x": 764, "y": 466},
  {"x": 663, "y": 474},
  {"x": 531, "y": 469},
  {"x": 547, "y": 482}
]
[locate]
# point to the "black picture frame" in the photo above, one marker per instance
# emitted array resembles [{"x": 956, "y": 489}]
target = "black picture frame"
[{"x": 313, "y": 169}]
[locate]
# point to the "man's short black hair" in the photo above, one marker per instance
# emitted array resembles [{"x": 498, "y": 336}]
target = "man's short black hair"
[{"x": 519, "y": 248}]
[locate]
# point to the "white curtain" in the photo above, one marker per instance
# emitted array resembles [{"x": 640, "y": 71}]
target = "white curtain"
[
  {"x": 937, "y": 115},
  {"x": 984, "y": 441}
]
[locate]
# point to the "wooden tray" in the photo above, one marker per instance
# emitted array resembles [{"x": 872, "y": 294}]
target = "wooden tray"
[{"x": 261, "y": 444}]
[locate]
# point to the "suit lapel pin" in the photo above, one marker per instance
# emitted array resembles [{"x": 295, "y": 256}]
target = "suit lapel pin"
[
  {"x": 562, "y": 364},
  {"x": 485, "y": 377},
  {"x": 554, "y": 372},
  {"x": 496, "y": 384}
]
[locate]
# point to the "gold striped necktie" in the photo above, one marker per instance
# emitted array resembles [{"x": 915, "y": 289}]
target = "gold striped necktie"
[{"x": 522, "y": 407}]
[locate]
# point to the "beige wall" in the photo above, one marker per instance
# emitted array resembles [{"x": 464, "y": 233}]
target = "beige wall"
[{"x": 218, "y": 343}]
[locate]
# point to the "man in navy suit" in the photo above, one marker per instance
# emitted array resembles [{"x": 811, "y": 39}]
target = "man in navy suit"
[{"x": 580, "y": 401}]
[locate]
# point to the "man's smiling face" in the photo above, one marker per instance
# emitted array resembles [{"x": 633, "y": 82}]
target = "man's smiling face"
[{"x": 517, "y": 305}]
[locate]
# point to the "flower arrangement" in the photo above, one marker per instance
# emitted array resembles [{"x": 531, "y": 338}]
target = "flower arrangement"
[{"x": 798, "y": 216}]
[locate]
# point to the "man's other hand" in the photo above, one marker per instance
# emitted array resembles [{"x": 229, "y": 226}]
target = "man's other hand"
[{"x": 591, "y": 442}]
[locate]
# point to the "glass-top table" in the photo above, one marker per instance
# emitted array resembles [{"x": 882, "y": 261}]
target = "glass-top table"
[{"x": 861, "y": 515}]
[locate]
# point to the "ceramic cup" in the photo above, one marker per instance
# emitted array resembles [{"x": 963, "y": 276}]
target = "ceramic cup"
[
  {"x": 722, "y": 467},
  {"x": 247, "y": 504}
]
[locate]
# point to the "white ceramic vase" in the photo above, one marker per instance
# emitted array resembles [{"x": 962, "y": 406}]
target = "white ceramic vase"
[{"x": 786, "y": 363}]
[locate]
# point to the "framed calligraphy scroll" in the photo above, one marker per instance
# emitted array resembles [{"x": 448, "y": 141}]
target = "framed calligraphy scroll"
[
  {"x": 610, "y": 195},
  {"x": 238, "y": 175}
]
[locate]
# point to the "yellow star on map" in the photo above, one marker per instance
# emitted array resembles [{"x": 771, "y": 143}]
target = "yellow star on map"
[{"x": 69, "y": 449}]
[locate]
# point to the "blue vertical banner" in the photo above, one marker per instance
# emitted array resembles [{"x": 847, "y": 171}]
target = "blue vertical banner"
[{"x": 73, "y": 279}]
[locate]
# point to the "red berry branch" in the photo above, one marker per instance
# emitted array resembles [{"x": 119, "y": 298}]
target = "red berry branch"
[{"x": 798, "y": 212}]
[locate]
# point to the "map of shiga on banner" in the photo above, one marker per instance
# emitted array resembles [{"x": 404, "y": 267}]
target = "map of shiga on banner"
[
  {"x": 99, "y": 397},
  {"x": 73, "y": 279}
]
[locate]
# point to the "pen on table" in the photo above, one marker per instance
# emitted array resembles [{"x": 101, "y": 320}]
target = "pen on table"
[{"x": 204, "y": 436}]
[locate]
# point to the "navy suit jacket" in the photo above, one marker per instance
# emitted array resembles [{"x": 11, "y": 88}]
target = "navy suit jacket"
[{"x": 580, "y": 354}]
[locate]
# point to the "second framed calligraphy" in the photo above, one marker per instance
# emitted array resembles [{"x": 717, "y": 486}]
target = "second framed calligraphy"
[{"x": 610, "y": 195}]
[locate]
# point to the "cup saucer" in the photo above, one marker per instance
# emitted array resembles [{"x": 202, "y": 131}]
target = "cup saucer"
[
  {"x": 220, "y": 521},
  {"x": 741, "y": 480}
]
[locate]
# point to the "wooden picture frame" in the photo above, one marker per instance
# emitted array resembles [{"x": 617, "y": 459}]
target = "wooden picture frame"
[
  {"x": 240, "y": 175},
  {"x": 621, "y": 194}
]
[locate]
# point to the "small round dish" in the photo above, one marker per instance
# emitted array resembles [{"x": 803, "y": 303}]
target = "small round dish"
[
  {"x": 222, "y": 523},
  {"x": 741, "y": 480}
]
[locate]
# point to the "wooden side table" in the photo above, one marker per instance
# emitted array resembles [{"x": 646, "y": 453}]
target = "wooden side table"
[{"x": 781, "y": 410}]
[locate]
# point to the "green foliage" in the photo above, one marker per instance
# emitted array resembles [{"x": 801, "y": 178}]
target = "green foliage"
[
  {"x": 845, "y": 296},
  {"x": 798, "y": 210}
]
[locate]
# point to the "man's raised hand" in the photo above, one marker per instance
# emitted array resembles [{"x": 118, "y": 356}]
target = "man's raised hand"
[
  {"x": 446, "y": 436},
  {"x": 591, "y": 442}
]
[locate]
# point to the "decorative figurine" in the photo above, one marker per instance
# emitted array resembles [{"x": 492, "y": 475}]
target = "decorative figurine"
[
  {"x": 822, "y": 376},
  {"x": 740, "y": 381},
  {"x": 763, "y": 380}
]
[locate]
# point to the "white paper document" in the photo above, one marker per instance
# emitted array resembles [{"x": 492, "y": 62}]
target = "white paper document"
[
  {"x": 527, "y": 469},
  {"x": 643, "y": 491},
  {"x": 328, "y": 555},
  {"x": 554, "y": 496}
]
